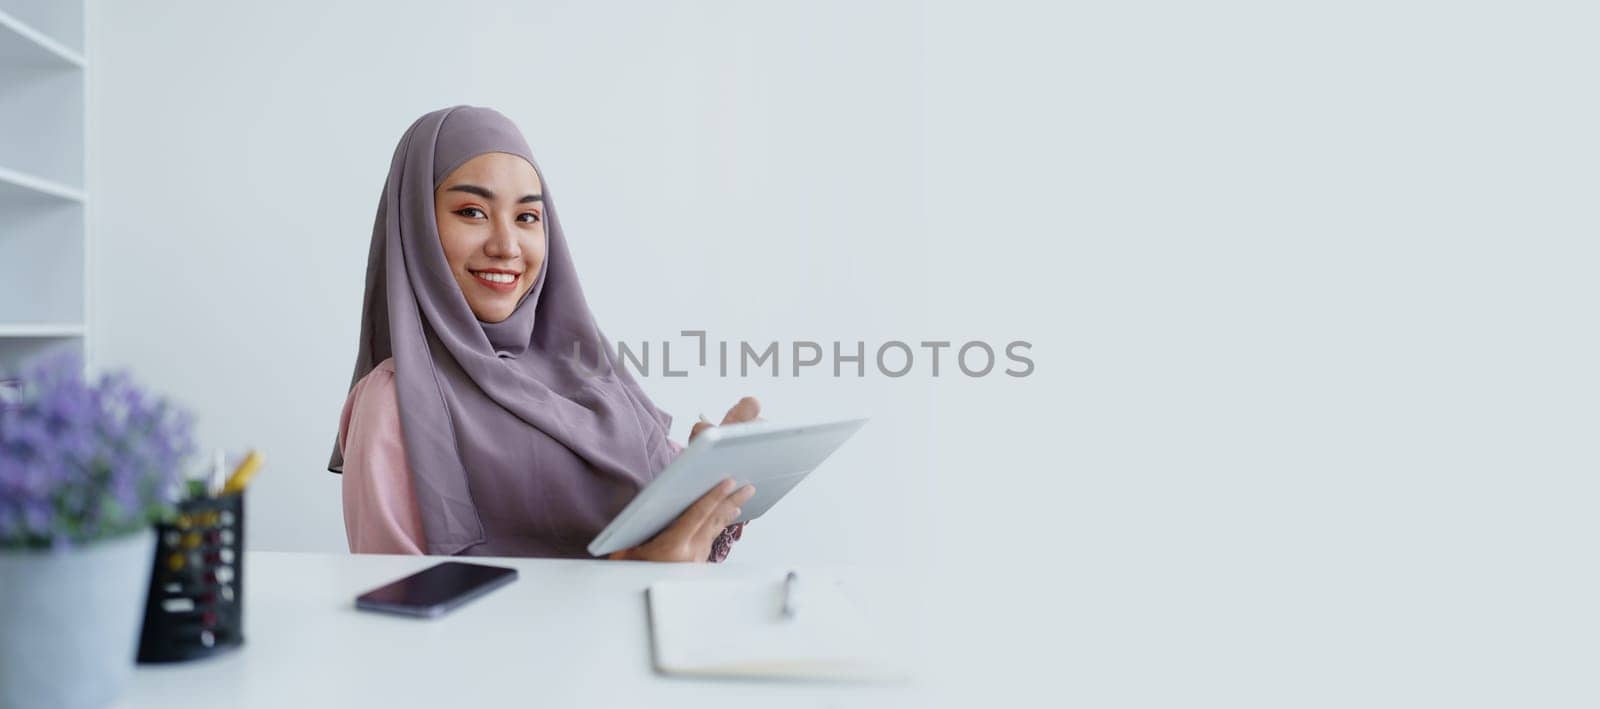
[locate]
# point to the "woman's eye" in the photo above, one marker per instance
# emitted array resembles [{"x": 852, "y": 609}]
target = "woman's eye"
[
  {"x": 470, "y": 212},
  {"x": 528, "y": 217}
]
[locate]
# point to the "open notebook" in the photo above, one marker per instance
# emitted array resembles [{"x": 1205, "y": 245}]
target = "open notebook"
[{"x": 735, "y": 628}]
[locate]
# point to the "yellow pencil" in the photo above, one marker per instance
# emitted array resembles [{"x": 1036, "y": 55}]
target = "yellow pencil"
[{"x": 242, "y": 474}]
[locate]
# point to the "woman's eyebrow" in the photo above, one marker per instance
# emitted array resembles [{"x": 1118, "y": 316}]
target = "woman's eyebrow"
[{"x": 486, "y": 194}]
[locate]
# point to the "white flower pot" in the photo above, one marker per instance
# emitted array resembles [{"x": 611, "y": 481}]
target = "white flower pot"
[{"x": 69, "y": 622}]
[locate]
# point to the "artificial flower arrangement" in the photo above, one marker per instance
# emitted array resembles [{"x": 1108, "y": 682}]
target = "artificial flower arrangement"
[{"x": 83, "y": 461}]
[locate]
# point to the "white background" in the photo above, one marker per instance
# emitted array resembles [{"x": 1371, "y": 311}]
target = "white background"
[{"x": 1311, "y": 293}]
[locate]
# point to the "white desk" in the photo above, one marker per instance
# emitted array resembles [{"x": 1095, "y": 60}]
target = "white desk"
[{"x": 564, "y": 634}]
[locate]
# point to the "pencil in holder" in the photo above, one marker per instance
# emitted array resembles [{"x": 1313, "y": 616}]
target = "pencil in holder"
[{"x": 195, "y": 605}]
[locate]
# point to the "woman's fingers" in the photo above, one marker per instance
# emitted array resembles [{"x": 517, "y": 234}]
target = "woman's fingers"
[
  {"x": 723, "y": 515},
  {"x": 690, "y": 521},
  {"x": 698, "y": 427},
  {"x": 746, "y": 410},
  {"x": 694, "y": 531},
  {"x": 700, "y": 524}
]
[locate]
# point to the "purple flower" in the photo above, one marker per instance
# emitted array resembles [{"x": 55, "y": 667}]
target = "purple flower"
[{"x": 81, "y": 461}]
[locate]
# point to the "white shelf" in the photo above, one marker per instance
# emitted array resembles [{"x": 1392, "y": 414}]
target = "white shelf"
[
  {"x": 22, "y": 45},
  {"x": 15, "y": 184},
  {"x": 43, "y": 238},
  {"x": 41, "y": 330}
]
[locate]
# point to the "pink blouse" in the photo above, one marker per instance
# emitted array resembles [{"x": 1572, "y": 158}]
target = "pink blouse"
[{"x": 380, "y": 508}]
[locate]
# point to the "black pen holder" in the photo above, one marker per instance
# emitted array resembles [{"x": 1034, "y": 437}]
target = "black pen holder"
[{"x": 195, "y": 606}]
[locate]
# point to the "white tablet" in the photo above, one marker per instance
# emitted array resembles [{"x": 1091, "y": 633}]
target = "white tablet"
[{"x": 772, "y": 456}]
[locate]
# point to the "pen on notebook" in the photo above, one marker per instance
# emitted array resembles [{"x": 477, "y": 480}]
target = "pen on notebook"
[{"x": 790, "y": 605}]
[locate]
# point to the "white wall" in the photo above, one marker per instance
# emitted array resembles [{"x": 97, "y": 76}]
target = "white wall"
[
  {"x": 1311, "y": 293},
  {"x": 1320, "y": 280}
]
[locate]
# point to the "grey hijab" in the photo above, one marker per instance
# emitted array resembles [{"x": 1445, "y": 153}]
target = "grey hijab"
[{"x": 516, "y": 446}]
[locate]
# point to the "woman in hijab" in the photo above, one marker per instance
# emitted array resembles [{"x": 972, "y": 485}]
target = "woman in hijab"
[{"x": 487, "y": 414}]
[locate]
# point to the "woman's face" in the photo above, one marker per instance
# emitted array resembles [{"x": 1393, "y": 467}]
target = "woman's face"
[{"x": 490, "y": 213}]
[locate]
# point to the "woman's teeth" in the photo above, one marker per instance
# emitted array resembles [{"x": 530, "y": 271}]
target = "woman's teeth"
[{"x": 495, "y": 277}]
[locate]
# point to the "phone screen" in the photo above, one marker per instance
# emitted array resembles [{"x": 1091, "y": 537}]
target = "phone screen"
[{"x": 436, "y": 589}]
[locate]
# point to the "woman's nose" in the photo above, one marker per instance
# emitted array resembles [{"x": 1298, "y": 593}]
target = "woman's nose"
[{"x": 502, "y": 243}]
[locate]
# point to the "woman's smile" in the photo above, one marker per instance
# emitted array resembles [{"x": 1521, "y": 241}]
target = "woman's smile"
[{"x": 497, "y": 279}]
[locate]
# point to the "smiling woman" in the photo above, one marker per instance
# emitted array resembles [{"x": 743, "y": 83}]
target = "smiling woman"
[{"x": 467, "y": 428}]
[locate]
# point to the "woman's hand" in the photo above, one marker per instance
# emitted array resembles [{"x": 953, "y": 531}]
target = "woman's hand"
[
  {"x": 689, "y": 537},
  {"x": 747, "y": 409}
]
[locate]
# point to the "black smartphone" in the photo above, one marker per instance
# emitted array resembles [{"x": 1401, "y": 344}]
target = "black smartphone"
[{"x": 433, "y": 591}]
